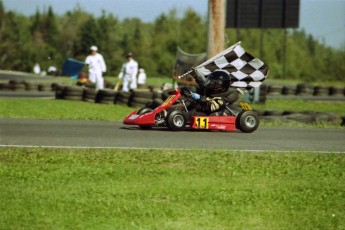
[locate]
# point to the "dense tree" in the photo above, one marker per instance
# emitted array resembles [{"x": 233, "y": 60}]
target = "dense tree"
[
  {"x": 2, "y": 12},
  {"x": 89, "y": 35},
  {"x": 49, "y": 39},
  {"x": 109, "y": 41},
  {"x": 50, "y": 28},
  {"x": 192, "y": 40},
  {"x": 36, "y": 21}
]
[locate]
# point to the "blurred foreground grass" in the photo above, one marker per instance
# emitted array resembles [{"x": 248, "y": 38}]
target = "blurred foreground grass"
[{"x": 166, "y": 189}]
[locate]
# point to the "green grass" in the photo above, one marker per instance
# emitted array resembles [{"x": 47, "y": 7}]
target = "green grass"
[
  {"x": 152, "y": 189},
  {"x": 337, "y": 107},
  {"x": 61, "y": 109},
  {"x": 64, "y": 109},
  {"x": 290, "y": 81}
]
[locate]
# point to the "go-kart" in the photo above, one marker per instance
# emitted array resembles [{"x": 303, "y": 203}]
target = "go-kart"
[{"x": 173, "y": 113}]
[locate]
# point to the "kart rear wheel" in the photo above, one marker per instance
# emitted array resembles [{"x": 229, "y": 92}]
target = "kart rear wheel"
[
  {"x": 143, "y": 111},
  {"x": 176, "y": 120},
  {"x": 247, "y": 121}
]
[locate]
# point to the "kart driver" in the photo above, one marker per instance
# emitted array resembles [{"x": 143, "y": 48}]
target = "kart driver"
[{"x": 211, "y": 92}]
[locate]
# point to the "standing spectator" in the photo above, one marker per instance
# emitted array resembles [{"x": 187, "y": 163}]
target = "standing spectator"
[
  {"x": 52, "y": 70},
  {"x": 37, "y": 68},
  {"x": 97, "y": 67},
  {"x": 129, "y": 73},
  {"x": 141, "y": 77}
]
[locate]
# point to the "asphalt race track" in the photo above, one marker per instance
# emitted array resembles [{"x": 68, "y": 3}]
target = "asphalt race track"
[{"x": 106, "y": 134}]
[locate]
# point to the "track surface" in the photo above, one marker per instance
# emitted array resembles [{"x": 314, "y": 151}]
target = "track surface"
[{"x": 105, "y": 134}]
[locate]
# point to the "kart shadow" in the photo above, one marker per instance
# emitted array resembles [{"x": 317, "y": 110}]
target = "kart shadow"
[
  {"x": 156, "y": 129},
  {"x": 165, "y": 129}
]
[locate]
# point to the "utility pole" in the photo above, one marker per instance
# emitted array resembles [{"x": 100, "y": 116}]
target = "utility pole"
[{"x": 216, "y": 27}]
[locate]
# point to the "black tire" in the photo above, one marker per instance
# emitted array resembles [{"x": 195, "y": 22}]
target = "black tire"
[
  {"x": 107, "y": 93},
  {"x": 17, "y": 85},
  {"x": 247, "y": 121},
  {"x": 142, "y": 94},
  {"x": 105, "y": 96},
  {"x": 143, "y": 111},
  {"x": 123, "y": 98},
  {"x": 176, "y": 120},
  {"x": 166, "y": 93},
  {"x": 44, "y": 87},
  {"x": 141, "y": 100},
  {"x": 137, "y": 105},
  {"x": 59, "y": 92},
  {"x": 74, "y": 89},
  {"x": 89, "y": 95},
  {"x": 73, "y": 98},
  {"x": 321, "y": 91},
  {"x": 273, "y": 113},
  {"x": 154, "y": 103},
  {"x": 274, "y": 90},
  {"x": 122, "y": 101},
  {"x": 123, "y": 94},
  {"x": 335, "y": 91},
  {"x": 304, "y": 89},
  {"x": 3, "y": 86},
  {"x": 74, "y": 93},
  {"x": 289, "y": 90},
  {"x": 29, "y": 86},
  {"x": 157, "y": 95},
  {"x": 263, "y": 93}
]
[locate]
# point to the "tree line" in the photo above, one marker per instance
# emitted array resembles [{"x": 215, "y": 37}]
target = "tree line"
[{"x": 49, "y": 39}]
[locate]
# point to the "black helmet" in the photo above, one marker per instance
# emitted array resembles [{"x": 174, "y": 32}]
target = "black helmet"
[{"x": 217, "y": 82}]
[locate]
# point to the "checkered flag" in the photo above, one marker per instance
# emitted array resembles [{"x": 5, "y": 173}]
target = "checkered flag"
[{"x": 245, "y": 71}]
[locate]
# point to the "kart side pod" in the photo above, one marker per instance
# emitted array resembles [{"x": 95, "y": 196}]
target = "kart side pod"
[
  {"x": 140, "y": 119},
  {"x": 227, "y": 123}
]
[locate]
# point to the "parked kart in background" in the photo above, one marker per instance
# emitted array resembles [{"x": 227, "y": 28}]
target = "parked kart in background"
[{"x": 173, "y": 113}]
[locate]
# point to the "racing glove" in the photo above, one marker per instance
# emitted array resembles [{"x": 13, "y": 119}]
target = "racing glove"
[{"x": 195, "y": 96}]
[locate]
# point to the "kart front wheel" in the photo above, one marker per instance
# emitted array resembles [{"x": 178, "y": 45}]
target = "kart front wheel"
[
  {"x": 142, "y": 111},
  {"x": 247, "y": 121},
  {"x": 176, "y": 121}
]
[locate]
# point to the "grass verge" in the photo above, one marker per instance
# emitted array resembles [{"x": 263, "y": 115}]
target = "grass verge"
[
  {"x": 152, "y": 189},
  {"x": 61, "y": 109},
  {"x": 64, "y": 109},
  {"x": 336, "y": 107}
]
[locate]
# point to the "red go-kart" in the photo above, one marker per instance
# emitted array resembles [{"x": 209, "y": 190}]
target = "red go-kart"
[{"x": 173, "y": 113}]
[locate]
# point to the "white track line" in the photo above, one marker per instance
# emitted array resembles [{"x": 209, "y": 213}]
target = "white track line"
[{"x": 153, "y": 148}]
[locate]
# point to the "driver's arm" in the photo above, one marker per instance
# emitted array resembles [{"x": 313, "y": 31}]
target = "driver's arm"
[{"x": 198, "y": 79}]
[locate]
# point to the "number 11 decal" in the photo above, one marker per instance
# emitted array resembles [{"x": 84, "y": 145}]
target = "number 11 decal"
[{"x": 201, "y": 122}]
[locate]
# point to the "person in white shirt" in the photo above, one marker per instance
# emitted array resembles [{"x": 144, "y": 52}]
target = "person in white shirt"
[
  {"x": 37, "y": 68},
  {"x": 97, "y": 67},
  {"x": 141, "y": 77},
  {"x": 129, "y": 73}
]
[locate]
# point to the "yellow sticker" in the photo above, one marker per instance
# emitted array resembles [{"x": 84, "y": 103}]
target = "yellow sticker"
[
  {"x": 245, "y": 106},
  {"x": 201, "y": 122},
  {"x": 168, "y": 99}
]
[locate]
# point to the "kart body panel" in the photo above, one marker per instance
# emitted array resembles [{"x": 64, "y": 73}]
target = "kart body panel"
[
  {"x": 143, "y": 119},
  {"x": 226, "y": 123},
  {"x": 149, "y": 118},
  {"x": 154, "y": 118}
]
